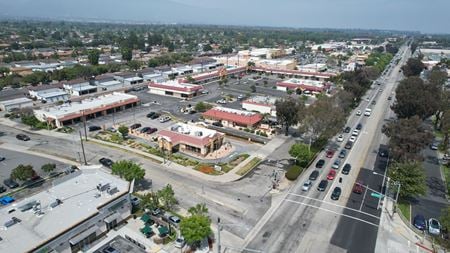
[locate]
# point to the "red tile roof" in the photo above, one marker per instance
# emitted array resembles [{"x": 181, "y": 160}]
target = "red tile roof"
[{"x": 242, "y": 119}]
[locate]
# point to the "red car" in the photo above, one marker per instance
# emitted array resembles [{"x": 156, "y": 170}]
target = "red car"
[
  {"x": 330, "y": 153},
  {"x": 331, "y": 175},
  {"x": 358, "y": 188}
]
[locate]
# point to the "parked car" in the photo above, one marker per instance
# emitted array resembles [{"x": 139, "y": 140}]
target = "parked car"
[
  {"x": 150, "y": 114},
  {"x": 336, "y": 164},
  {"x": 2, "y": 158},
  {"x": 241, "y": 97},
  {"x": 111, "y": 129},
  {"x": 217, "y": 124},
  {"x": 358, "y": 113},
  {"x": 22, "y": 137},
  {"x": 10, "y": 183},
  {"x": 343, "y": 153},
  {"x": 106, "y": 162},
  {"x": 320, "y": 164},
  {"x": 179, "y": 242},
  {"x": 374, "y": 102},
  {"x": 359, "y": 126},
  {"x": 314, "y": 175},
  {"x": 306, "y": 185},
  {"x": 331, "y": 175},
  {"x": 2, "y": 189},
  {"x": 346, "y": 169},
  {"x": 330, "y": 153},
  {"x": 355, "y": 132},
  {"x": 135, "y": 126},
  {"x": 164, "y": 119},
  {"x": 352, "y": 138},
  {"x": 156, "y": 212},
  {"x": 340, "y": 138},
  {"x": 148, "y": 130},
  {"x": 205, "y": 91},
  {"x": 389, "y": 98},
  {"x": 347, "y": 130},
  {"x": 155, "y": 115},
  {"x": 175, "y": 219},
  {"x": 434, "y": 145},
  {"x": 434, "y": 227},
  {"x": 94, "y": 128},
  {"x": 322, "y": 185},
  {"x": 358, "y": 188},
  {"x": 383, "y": 153},
  {"x": 336, "y": 193},
  {"x": 348, "y": 145},
  {"x": 419, "y": 222},
  {"x": 221, "y": 101}
]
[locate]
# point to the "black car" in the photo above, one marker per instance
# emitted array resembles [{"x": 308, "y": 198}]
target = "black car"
[
  {"x": 346, "y": 169},
  {"x": 343, "y": 153},
  {"x": 420, "y": 222},
  {"x": 144, "y": 129},
  {"x": 156, "y": 212},
  {"x": 2, "y": 189},
  {"x": 154, "y": 115},
  {"x": 94, "y": 128},
  {"x": 336, "y": 193},
  {"x": 320, "y": 164},
  {"x": 106, "y": 162},
  {"x": 11, "y": 183},
  {"x": 135, "y": 126},
  {"x": 359, "y": 126},
  {"x": 2, "y": 158},
  {"x": 217, "y": 124},
  {"x": 150, "y": 114},
  {"x": 322, "y": 185},
  {"x": 22, "y": 137},
  {"x": 348, "y": 145},
  {"x": 314, "y": 175},
  {"x": 347, "y": 130},
  {"x": 383, "y": 153}
]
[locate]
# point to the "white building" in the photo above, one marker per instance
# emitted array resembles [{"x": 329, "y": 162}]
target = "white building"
[
  {"x": 17, "y": 103},
  {"x": 109, "y": 84},
  {"x": 49, "y": 95},
  {"x": 261, "y": 104},
  {"x": 175, "y": 89},
  {"x": 69, "y": 113},
  {"x": 67, "y": 216},
  {"x": 79, "y": 89}
]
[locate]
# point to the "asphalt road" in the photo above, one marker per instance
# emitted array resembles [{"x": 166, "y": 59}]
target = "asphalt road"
[{"x": 306, "y": 222}]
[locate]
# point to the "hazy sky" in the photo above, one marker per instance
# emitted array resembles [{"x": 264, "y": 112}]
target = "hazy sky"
[{"x": 431, "y": 16}]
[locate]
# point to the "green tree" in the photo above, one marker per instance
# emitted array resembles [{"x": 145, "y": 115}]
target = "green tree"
[
  {"x": 123, "y": 130},
  {"x": 287, "y": 112},
  {"x": 445, "y": 218},
  {"x": 150, "y": 200},
  {"x": 413, "y": 67},
  {"x": 251, "y": 64},
  {"x": 93, "y": 56},
  {"x": 128, "y": 169},
  {"x": 167, "y": 197},
  {"x": 207, "y": 48},
  {"x": 409, "y": 104},
  {"x": 411, "y": 177},
  {"x": 190, "y": 79},
  {"x": 127, "y": 53},
  {"x": 301, "y": 153},
  {"x": 407, "y": 138},
  {"x": 202, "y": 106},
  {"x": 199, "y": 209},
  {"x": 48, "y": 167},
  {"x": 22, "y": 172},
  {"x": 134, "y": 65},
  {"x": 195, "y": 229}
]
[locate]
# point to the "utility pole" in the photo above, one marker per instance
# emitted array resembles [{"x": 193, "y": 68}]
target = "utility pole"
[
  {"x": 218, "y": 234},
  {"x": 85, "y": 128},
  {"x": 82, "y": 148}
]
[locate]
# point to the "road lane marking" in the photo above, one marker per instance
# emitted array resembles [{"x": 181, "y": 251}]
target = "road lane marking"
[
  {"x": 330, "y": 211},
  {"x": 329, "y": 203}
]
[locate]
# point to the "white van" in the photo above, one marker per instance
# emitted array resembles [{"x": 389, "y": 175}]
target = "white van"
[{"x": 367, "y": 112}]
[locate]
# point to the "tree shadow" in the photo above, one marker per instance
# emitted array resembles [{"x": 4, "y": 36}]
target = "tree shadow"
[{"x": 143, "y": 184}]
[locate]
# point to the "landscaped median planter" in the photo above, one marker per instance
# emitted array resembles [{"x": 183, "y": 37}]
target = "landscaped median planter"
[{"x": 293, "y": 172}]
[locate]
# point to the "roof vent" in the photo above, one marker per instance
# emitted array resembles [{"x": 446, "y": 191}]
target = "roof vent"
[
  {"x": 56, "y": 203},
  {"x": 112, "y": 191},
  {"x": 103, "y": 188}
]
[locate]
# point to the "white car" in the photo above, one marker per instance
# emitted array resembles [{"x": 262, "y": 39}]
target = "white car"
[
  {"x": 355, "y": 132},
  {"x": 179, "y": 242},
  {"x": 307, "y": 185},
  {"x": 221, "y": 101},
  {"x": 434, "y": 227},
  {"x": 340, "y": 138},
  {"x": 164, "y": 119},
  {"x": 358, "y": 113},
  {"x": 352, "y": 138}
]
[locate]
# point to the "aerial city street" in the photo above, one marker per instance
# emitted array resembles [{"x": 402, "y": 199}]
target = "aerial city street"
[{"x": 179, "y": 130}]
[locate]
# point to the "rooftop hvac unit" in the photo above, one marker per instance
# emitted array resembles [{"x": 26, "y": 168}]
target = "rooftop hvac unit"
[
  {"x": 12, "y": 222},
  {"x": 112, "y": 191},
  {"x": 199, "y": 133},
  {"x": 56, "y": 203},
  {"x": 103, "y": 188},
  {"x": 174, "y": 128},
  {"x": 28, "y": 206}
]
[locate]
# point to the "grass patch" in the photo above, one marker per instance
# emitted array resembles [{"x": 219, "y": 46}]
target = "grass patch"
[
  {"x": 404, "y": 208},
  {"x": 249, "y": 166}
]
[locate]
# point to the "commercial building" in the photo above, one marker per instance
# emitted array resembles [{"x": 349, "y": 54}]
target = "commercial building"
[
  {"x": 319, "y": 76},
  {"x": 286, "y": 64},
  {"x": 17, "y": 103},
  {"x": 80, "y": 88},
  {"x": 70, "y": 113},
  {"x": 49, "y": 95},
  {"x": 217, "y": 74},
  {"x": 69, "y": 215},
  {"x": 303, "y": 85},
  {"x": 261, "y": 104},
  {"x": 190, "y": 139},
  {"x": 232, "y": 117},
  {"x": 175, "y": 89}
]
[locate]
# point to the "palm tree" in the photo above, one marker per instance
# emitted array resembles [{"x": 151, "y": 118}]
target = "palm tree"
[{"x": 199, "y": 209}]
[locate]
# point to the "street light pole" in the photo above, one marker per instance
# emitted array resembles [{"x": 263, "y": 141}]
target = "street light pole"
[{"x": 218, "y": 234}]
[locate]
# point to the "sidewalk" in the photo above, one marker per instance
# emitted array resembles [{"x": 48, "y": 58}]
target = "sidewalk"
[
  {"x": 231, "y": 176},
  {"x": 396, "y": 236}
]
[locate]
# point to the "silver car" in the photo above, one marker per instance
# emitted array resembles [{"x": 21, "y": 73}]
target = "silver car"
[{"x": 307, "y": 185}]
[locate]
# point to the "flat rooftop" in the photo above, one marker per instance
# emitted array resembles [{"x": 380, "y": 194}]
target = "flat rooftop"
[
  {"x": 81, "y": 86},
  {"x": 121, "y": 245},
  {"x": 80, "y": 199},
  {"x": 54, "y": 92},
  {"x": 177, "y": 86},
  {"x": 303, "y": 82},
  {"x": 87, "y": 104},
  {"x": 15, "y": 101},
  {"x": 110, "y": 83},
  {"x": 261, "y": 100}
]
